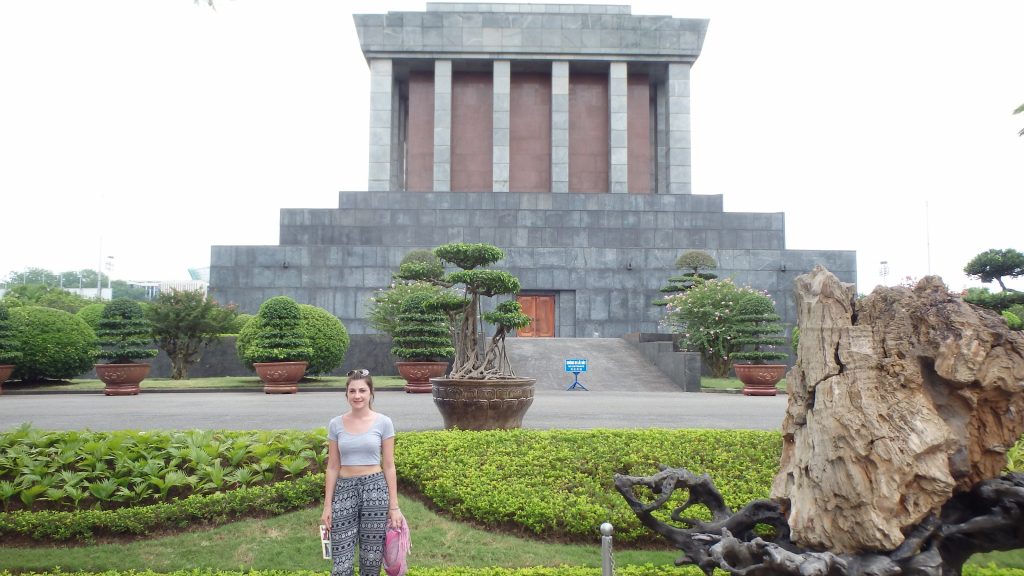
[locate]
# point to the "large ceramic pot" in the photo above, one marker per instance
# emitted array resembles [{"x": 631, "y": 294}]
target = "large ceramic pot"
[
  {"x": 5, "y": 372},
  {"x": 121, "y": 379},
  {"x": 483, "y": 404},
  {"x": 417, "y": 375},
  {"x": 760, "y": 379},
  {"x": 280, "y": 377}
]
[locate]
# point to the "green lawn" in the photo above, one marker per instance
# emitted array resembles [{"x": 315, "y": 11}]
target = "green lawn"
[
  {"x": 225, "y": 382},
  {"x": 291, "y": 542}
]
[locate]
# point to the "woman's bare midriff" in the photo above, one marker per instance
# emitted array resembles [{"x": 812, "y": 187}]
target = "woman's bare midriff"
[{"x": 353, "y": 471}]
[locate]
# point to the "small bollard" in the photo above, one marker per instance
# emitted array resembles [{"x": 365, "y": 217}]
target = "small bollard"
[{"x": 607, "y": 560}]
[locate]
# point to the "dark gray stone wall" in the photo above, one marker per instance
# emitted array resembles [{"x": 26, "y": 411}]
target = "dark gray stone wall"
[{"x": 604, "y": 256}]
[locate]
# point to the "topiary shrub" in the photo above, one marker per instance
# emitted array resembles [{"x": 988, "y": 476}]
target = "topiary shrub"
[
  {"x": 54, "y": 344},
  {"x": 10, "y": 351},
  {"x": 422, "y": 264},
  {"x": 124, "y": 333},
  {"x": 422, "y": 335},
  {"x": 327, "y": 336},
  {"x": 692, "y": 262},
  {"x": 275, "y": 334},
  {"x": 92, "y": 314},
  {"x": 757, "y": 325}
]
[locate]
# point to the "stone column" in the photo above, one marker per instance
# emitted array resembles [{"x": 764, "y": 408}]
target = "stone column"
[
  {"x": 679, "y": 178},
  {"x": 661, "y": 136},
  {"x": 380, "y": 125},
  {"x": 442, "y": 125},
  {"x": 618, "y": 107},
  {"x": 559, "y": 126},
  {"x": 500, "y": 124}
]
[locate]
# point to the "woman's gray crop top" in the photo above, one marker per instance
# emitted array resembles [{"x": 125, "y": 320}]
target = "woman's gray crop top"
[{"x": 360, "y": 449}]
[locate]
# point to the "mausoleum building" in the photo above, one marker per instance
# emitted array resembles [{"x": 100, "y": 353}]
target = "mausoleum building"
[{"x": 559, "y": 133}]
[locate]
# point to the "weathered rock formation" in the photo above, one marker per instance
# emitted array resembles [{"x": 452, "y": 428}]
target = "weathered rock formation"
[{"x": 896, "y": 402}]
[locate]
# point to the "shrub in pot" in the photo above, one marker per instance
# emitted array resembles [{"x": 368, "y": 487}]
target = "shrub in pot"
[
  {"x": 422, "y": 339},
  {"x": 466, "y": 398},
  {"x": 10, "y": 353},
  {"x": 278, "y": 350},
  {"x": 123, "y": 334},
  {"x": 327, "y": 336},
  {"x": 759, "y": 331}
]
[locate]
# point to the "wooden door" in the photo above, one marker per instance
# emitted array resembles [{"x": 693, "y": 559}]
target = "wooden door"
[{"x": 541, "y": 310}]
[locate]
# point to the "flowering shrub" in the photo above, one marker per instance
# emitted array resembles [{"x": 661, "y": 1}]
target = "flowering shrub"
[{"x": 705, "y": 317}]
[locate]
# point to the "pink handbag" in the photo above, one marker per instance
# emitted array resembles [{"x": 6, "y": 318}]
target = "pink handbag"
[{"x": 396, "y": 546}]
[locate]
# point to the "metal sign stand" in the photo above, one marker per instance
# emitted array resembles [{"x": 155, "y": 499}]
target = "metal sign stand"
[
  {"x": 576, "y": 383},
  {"x": 576, "y": 366}
]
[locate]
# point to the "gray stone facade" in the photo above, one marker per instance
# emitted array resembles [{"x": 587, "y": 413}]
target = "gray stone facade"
[{"x": 604, "y": 256}]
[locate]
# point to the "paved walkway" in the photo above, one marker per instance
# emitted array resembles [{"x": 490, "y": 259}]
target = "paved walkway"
[{"x": 307, "y": 410}]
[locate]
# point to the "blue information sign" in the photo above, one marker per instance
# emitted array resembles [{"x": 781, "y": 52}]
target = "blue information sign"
[{"x": 576, "y": 365}]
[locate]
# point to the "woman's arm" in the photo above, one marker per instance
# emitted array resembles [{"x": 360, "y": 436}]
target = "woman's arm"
[
  {"x": 387, "y": 462},
  {"x": 331, "y": 478}
]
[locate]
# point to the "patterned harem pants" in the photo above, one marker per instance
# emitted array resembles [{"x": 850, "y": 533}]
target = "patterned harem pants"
[{"x": 359, "y": 509}]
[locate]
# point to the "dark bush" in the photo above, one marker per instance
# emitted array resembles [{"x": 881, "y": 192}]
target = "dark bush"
[
  {"x": 124, "y": 333},
  {"x": 54, "y": 344}
]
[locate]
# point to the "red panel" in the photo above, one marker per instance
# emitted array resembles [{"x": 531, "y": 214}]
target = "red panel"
[
  {"x": 419, "y": 161},
  {"x": 639, "y": 134},
  {"x": 472, "y": 118},
  {"x": 588, "y": 132},
  {"x": 530, "y": 133}
]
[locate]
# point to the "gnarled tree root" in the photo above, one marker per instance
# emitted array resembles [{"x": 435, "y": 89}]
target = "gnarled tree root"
[{"x": 988, "y": 517}]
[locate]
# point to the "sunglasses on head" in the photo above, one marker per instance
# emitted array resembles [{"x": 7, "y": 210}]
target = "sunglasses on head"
[{"x": 360, "y": 373}]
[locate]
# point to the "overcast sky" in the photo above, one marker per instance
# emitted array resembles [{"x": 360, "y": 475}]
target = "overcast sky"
[{"x": 150, "y": 131}]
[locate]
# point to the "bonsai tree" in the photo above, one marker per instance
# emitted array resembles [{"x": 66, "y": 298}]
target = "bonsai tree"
[
  {"x": 995, "y": 264},
  {"x": 691, "y": 262},
  {"x": 421, "y": 334},
  {"x": 758, "y": 328},
  {"x": 184, "y": 324},
  {"x": 124, "y": 333},
  {"x": 276, "y": 334},
  {"x": 470, "y": 363}
]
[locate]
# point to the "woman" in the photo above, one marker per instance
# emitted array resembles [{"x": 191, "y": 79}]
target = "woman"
[{"x": 361, "y": 492}]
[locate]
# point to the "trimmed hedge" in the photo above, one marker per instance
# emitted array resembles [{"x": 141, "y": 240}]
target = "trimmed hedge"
[
  {"x": 92, "y": 314},
  {"x": 200, "y": 509},
  {"x": 629, "y": 570},
  {"x": 558, "y": 483},
  {"x": 54, "y": 344}
]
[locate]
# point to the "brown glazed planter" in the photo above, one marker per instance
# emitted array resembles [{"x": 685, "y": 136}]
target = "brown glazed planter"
[
  {"x": 418, "y": 374},
  {"x": 483, "y": 404},
  {"x": 121, "y": 379},
  {"x": 760, "y": 379},
  {"x": 280, "y": 377},
  {"x": 5, "y": 372}
]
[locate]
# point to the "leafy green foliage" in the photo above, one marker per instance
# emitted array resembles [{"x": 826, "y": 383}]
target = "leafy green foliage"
[
  {"x": 238, "y": 323},
  {"x": 420, "y": 265},
  {"x": 10, "y": 349},
  {"x": 327, "y": 337},
  {"x": 105, "y": 470},
  {"x": 486, "y": 282},
  {"x": 184, "y": 323},
  {"x": 705, "y": 316},
  {"x": 757, "y": 326},
  {"x": 46, "y": 296},
  {"x": 124, "y": 332},
  {"x": 386, "y": 305},
  {"x": 274, "y": 335},
  {"x": 422, "y": 335},
  {"x": 995, "y": 264},
  {"x": 509, "y": 315},
  {"x": 1012, "y": 320},
  {"x": 92, "y": 313},
  {"x": 997, "y": 301},
  {"x": 469, "y": 256},
  {"x": 54, "y": 344}
]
